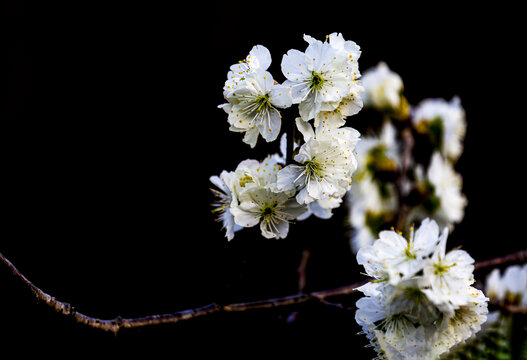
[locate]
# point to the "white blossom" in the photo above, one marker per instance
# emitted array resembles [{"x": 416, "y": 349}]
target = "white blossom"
[
  {"x": 250, "y": 174},
  {"x": 325, "y": 166},
  {"x": 383, "y": 148},
  {"x": 322, "y": 76},
  {"x": 253, "y": 106},
  {"x": 402, "y": 258},
  {"x": 448, "y": 275},
  {"x": 272, "y": 211},
  {"x": 444, "y": 122},
  {"x": 259, "y": 58},
  {"x": 223, "y": 204},
  {"x": 494, "y": 286},
  {"x": 373, "y": 202},
  {"x": 430, "y": 306},
  {"x": 464, "y": 322},
  {"x": 448, "y": 188},
  {"x": 335, "y": 118},
  {"x": 382, "y": 88},
  {"x": 253, "y": 197},
  {"x": 369, "y": 209},
  {"x": 441, "y": 189},
  {"x": 510, "y": 287}
]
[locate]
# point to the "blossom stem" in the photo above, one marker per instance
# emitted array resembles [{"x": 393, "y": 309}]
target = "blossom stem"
[
  {"x": 408, "y": 144},
  {"x": 290, "y": 142}
]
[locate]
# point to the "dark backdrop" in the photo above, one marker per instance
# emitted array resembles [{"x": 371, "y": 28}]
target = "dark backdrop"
[{"x": 111, "y": 131}]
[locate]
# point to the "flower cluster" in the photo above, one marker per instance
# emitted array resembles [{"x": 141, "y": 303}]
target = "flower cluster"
[
  {"x": 420, "y": 302},
  {"x": 433, "y": 188},
  {"x": 322, "y": 81}
]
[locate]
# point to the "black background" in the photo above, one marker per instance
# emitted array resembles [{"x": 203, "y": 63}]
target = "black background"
[{"x": 111, "y": 131}]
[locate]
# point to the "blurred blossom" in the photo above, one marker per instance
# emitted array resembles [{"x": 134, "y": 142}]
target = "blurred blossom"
[
  {"x": 441, "y": 193},
  {"x": 443, "y": 123},
  {"x": 511, "y": 287},
  {"x": 373, "y": 200},
  {"x": 383, "y": 90}
]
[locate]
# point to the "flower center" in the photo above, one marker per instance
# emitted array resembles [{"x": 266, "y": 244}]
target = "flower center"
[
  {"x": 313, "y": 168},
  {"x": 434, "y": 129},
  {"x": 245, "y": 180},
  {"x": 267, "y": 212},
  {"x": 317, "y": 81},
  {"x": 440, "y": 268},
  {"x": 263, "y": 102},
  {"x": 409, "y": 254}
]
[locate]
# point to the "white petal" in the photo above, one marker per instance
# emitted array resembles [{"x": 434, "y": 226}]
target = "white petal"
[
  {"x": 303, "y": 197},
  {"x": 426, "y": 237},
  {"x": 274, "y": 229},
  {"x": 280, "y": 96},
  {"x": 269, "y": 126},
  {"x": 328, "y": 120},
  {"x": 297, "y": 90},
  {"x": 305, "y": 128},
  {"x": 319, "y": 56},
  {"x": 251, "y": 136},
  {"x": 292, "y": 209},
  {"x": 261, "y": 55},
  {"x": 244, "y": 218},
  {"x": 308, "y": 108},
  {"x": 289, "y": 177},
  {"x": 293, "y": 65}
]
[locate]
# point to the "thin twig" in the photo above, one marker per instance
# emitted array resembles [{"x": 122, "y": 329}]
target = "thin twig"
[
  {"x": 302, "y": 271},
  {"x": 511, "y": 308},
  {"x": 302, "y": 281},
  {"x": 518, "y": 256},
  {"x": 114, "y": 325}
]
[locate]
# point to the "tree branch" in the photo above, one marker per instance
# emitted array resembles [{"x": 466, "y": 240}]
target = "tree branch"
[
  {"x": 518, "y": 256},
  {"x": 114, "y": 325},
  {"x": 511, "y": 308}
]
